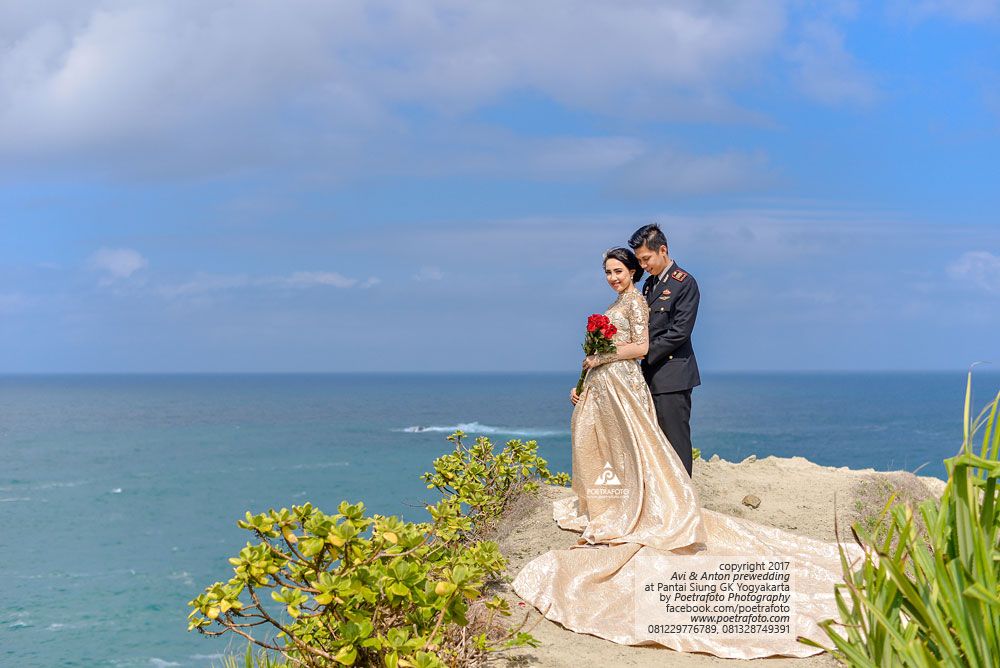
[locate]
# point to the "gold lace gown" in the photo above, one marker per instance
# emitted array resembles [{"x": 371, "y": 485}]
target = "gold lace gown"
[{"x": 618, "y": 445}]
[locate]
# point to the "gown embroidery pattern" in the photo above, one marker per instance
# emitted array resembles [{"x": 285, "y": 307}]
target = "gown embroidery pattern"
[{"x": 655, "y": 509}]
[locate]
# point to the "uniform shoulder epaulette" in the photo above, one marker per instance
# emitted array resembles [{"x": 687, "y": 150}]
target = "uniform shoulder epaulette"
[{"x": 678, "y": 275}]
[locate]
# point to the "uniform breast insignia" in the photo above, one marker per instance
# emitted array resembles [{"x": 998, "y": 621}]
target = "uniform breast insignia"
[
  {"x": 678, "y": 275},
  {"x": 666, "y": 295}
]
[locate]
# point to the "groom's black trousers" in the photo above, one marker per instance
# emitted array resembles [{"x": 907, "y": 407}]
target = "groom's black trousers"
[{"x": 673, "y": 413}]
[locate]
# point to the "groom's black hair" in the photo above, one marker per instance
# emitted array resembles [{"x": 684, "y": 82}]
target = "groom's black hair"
[
  {"x": 650, "y": 236},
  {"x": 627, "y": 258}
]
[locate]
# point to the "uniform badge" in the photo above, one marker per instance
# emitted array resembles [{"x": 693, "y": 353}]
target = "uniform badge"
[
  {"x": 665, "y": 295},
  {"x": 678, "y": 275}
]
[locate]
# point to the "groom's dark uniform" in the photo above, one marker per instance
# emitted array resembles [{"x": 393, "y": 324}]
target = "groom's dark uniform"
[{"x": 670, "y": 368}]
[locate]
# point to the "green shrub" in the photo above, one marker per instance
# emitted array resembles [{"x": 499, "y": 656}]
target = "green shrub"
[
  {"x": 934, "y": 600},
  {"x": 352, "y": 589},
  {"x": 486, "y": 481}
]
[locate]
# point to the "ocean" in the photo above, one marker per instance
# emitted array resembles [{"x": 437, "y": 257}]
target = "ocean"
[{"x": 120, "y": 493}]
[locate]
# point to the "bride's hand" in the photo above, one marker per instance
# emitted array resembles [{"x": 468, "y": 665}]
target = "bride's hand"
[
  {"x": 573, "y": 396},
  {"x": 590, "y": 361}
]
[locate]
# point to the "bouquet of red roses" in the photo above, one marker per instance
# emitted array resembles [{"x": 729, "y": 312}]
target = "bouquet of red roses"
[{"x": 599, "y": 340}]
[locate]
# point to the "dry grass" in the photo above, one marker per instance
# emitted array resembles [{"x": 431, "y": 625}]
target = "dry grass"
[{"x": 872, "y": 493}]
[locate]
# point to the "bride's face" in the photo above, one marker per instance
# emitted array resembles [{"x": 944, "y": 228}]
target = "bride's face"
[{"x": 618, "y": 275}]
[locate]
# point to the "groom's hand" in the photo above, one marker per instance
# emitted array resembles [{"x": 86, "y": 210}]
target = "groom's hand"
[{"x": 573, "y": 396}]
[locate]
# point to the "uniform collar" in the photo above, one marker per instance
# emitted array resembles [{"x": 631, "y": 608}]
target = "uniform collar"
[
  {"x": 663, "y": 274},
  {"x": 660, "y": 284}
]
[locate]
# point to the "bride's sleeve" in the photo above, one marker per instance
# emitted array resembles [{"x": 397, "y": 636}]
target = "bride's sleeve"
[
  {"x": 637, "y": 314},
  {"x": 638, "y": 318},
  {"x": 638, "y": 321}
]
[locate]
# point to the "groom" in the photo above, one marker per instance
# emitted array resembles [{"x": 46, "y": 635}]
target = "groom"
[{"x": 669, "y": 367}]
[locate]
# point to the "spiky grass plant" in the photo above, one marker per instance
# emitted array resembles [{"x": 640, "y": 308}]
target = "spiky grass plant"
[{"x": 931, "y": 601}]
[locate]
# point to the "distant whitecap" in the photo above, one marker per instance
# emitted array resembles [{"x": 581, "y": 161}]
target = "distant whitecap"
[
  {"x": 477, "y": 429},
  {"x": 59, "y": 484},
  {"x": 160, "y": 663}
]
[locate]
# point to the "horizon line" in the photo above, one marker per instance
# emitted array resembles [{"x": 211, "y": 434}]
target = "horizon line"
[{"x": 980, "y": 369}]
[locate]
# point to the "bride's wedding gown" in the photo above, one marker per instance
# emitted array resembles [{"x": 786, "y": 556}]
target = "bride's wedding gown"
[{"x": 618, "y": 445}]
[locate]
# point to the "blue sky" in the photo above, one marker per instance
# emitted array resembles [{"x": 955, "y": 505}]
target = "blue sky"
[{"x": 415, "y": 186}]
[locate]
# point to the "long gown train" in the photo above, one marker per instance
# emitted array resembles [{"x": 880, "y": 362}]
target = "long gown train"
[{"x": 633, "y": 498}]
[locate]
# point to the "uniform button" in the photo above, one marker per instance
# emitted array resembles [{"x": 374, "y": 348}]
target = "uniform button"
[{"x": 670, "y": 357}]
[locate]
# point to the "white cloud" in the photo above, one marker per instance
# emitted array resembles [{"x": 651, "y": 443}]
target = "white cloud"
[
  {"x": 980, "y": 269},
  {"x": 429, "y": 274},
  {"x": 117, "y": 263},
  {"x": 826, "y": 71},
  {"x": 674, "y": 172},
  {"x": 580, "y": 155},
  {"x": 306, "y": 279},
  {"x": 486, "y": 151},
  {"x": 181, "y": 84},
  {"x": 202, "y": 283},
  {"x": 205, "y": 283}
]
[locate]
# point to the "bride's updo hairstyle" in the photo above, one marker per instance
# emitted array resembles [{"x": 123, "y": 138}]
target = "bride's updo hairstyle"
[{"x": 627, "y": 258}]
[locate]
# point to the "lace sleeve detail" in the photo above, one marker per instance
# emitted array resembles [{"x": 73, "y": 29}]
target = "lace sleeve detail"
[{"x": 638, "y": 318}]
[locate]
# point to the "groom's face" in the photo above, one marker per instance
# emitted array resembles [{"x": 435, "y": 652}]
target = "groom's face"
[{"x": 653, "y": 262}]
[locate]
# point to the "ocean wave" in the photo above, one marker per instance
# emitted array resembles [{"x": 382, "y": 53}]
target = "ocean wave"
[
  {"x": 16, "y": 620},
  {"x": 476, "y": 428},
  {"x": 320, "y": 465},
  {"x": 183, "y": 576},
  {"x": 161, "y": 663},
  {"x": 77, "y": 576},
  {"x": 58, "y": 484},
  {"x": 52, "y": 484}
]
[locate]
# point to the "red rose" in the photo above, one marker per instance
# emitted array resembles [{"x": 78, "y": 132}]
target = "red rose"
[
  {"x": 609, "y": 331},
  {"x": 594, "y": 322}
]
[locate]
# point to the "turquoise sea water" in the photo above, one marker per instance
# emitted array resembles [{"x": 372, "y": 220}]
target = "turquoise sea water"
[{"x": 119, "y": 494}]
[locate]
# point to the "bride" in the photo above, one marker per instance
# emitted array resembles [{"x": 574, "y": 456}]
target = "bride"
[{"x": 633, "y": 499}]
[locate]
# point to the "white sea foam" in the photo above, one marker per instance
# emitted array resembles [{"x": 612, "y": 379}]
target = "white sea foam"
[
  {"x": 475, "y": 429},
  {"x": 320, "y": 465},
  {"x": 59, "y": 484},
  {"x": 11, "y": 499},
  {"x": 160, "y": 663},
  {"x": 16, "y": 620},
  {"x": 183, "y": 576}
]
